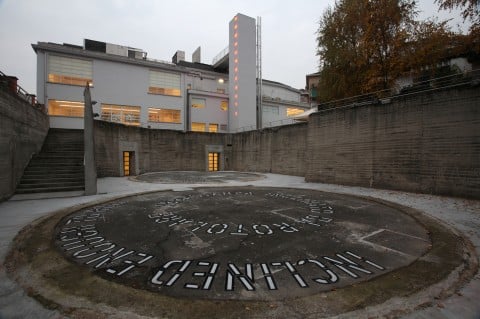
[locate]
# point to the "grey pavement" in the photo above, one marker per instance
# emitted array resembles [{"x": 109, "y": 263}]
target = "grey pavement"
[{"x": 461, "y": 214}]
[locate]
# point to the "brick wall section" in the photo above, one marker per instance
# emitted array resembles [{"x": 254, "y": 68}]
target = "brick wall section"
[
  {"x": 427, "y": 143},
  {"x": 23, "y": 130}
]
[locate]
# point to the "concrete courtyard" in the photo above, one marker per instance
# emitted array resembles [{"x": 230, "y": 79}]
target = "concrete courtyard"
[{"x": 178, "y": 245}]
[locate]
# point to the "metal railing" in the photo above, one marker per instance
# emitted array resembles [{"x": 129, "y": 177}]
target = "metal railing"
[
  {"x": 220, "y": 55},
  {"x": 10, "y": 83},
  {"x": 418, "y": 87}
]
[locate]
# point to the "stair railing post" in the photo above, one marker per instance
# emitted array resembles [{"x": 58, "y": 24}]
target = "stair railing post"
[{"x": 89, "y": 145}]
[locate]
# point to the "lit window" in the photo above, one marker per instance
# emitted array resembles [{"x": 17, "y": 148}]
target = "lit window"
[
  {"x": 129, "y": 115},
  {"x": 198, "y": 103},
  {"x": 163, "y": 115},
  {"x": 69, "y": 70},
  {"x": 224, "y": 105},
  {"x": 65, "y": 108},
  {"x": 213, "y": 128},
  {"x": 198, "y": 127},
  {"x": 292, "y": 111},
  {"x": 164, "y": 83}
]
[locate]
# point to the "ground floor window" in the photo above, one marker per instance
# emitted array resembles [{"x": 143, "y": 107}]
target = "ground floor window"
[
  {"x": 163, "y": 115},
  {"x": 198, "y": 127},
  {"x": 213, "y": 128},
  {"x": 213, "y": 161},
  {"x": 126, "y": 114},
  {"x": 65, "y": 108}
]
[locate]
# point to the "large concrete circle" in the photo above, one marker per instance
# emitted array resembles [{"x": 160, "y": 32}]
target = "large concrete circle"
[
  {"x": 241, "y": 243},
  {"x": 196, "y": 177}
]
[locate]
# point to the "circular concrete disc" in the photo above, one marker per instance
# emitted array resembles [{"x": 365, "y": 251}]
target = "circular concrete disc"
[{"x": 242, "y": 243}]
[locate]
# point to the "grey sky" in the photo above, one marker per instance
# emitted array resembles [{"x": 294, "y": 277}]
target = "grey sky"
[{"x": 162, "y": 27}]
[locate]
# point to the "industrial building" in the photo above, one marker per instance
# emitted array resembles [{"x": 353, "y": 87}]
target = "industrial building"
[{"x": 133, "y": 89}]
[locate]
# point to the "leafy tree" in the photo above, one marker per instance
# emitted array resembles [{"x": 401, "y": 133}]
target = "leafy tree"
[
  {"x": 470, "y": 11},
  {"x": 431, "y": 42},
  {"x": 339, "y": 38},
  {"x": 366, "y": 45}
]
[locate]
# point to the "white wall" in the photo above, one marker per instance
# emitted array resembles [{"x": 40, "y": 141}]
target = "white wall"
[{"x": 274, "y": 92}]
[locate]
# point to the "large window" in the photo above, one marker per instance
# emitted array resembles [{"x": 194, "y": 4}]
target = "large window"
[
  {"x": 69, "y": 70},
  {"x": 125, "y": 114},
  {"x": 163, "y": 115},
  {"x": 292, "y": 111},
  {"x": 198, "y": 127},
  {"x": 198, "y": 103},
  {"x": 164, "y": 83},
  {"x": 65, "y": 108}
]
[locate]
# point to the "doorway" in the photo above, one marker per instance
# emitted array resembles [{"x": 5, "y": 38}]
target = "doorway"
[
  {"x": 128, "y": 162},
  {"x": 213, "y": 161}
]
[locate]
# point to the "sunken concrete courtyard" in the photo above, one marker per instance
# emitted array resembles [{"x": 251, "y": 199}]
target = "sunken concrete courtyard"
[{"x": 237, "y": 245}]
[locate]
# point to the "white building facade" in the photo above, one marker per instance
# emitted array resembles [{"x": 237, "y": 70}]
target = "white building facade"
[{"x": 131, "y": 89}]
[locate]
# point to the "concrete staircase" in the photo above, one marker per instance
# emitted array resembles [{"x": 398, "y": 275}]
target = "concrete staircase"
[{"x": 59, "y": 165}]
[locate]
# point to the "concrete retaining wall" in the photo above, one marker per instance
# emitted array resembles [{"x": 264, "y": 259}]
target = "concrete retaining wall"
[
  {"x": 23, "y": 130},
  {"x": 278, "y": 150},
  {"x": 427, "y": 143},
  {"x": 155, "y": 150}
]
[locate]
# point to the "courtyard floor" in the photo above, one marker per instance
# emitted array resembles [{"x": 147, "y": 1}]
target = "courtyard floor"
[{"x": 238, "y": 245}]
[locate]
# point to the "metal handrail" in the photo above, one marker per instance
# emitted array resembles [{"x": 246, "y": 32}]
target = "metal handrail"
[{"x": 383, "y": 96}]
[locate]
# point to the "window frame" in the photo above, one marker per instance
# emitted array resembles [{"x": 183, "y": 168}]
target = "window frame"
[
  {"x": 154, "y": 88},
  {"x": 65, "y": 77},
  {"x": 150, "y": 109},
  {"x": 200, "y": 105},
  {"x": 122, "y": 114},
  {"x": 74, "y": 104}
]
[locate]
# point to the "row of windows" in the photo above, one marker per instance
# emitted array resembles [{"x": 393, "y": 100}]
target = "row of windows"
[
  {"x": 212, "y": 127},
  {"x": 125, "y": 114},
  {"x": 130, "y": 115},
  {"x": 65, "y": 70}
]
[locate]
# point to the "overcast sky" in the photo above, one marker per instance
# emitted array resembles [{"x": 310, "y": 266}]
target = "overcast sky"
[{"x": 162, "y": 27}]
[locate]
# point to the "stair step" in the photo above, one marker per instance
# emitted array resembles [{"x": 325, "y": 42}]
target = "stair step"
[
  {"x": 49, "y": 179},
  {"x": 50, "y": 189},
  {"x": 50, "y": 184},
  {"x": 49, "y": 165},
  {"x": 59, "y": 165}
]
